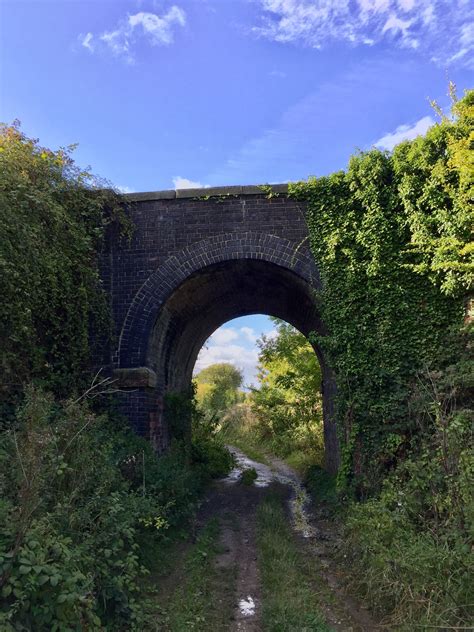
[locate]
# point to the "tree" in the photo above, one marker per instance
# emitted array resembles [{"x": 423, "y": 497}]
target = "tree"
[
  {"x": 288, "y": 402},
  {"x": 218, "y": 386}
]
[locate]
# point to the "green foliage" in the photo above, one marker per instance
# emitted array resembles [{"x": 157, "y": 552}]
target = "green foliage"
[
  {"x": 287, "y": 404},
  {"x": 195, "y": 431},
  {"x": 392, "y": 238},
  {"x": 208, "y": 447},
  {"x": 322, "y": 486},
  {"x": 412, "y": 546},
  {"x": 52, "y": 221},
  {"x": 267, "y": 189},
  {"x": 82, "y": 502},
  {"x": 249, "y": 476},
  {"x": 239, "y": 427},
  {"x": 218, "y": 387},
  {"x": 290, "y": 599}
]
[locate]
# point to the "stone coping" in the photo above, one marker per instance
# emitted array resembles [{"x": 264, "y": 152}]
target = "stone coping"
[{"x": 205, "y": 192}]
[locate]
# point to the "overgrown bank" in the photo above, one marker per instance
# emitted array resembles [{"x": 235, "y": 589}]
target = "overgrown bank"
[
  {"x": 85, "y": 504},
  {"x": 86, "y": 509},
  {"x": 393, "y": 239}
]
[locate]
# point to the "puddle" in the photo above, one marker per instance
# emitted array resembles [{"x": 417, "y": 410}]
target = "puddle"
[
  {"x": 247, "y": 607},
  {"x": 267, "y": 475}
]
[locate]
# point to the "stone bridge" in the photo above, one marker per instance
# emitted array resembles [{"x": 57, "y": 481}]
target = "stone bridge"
[{"x": 198, "y": 258}]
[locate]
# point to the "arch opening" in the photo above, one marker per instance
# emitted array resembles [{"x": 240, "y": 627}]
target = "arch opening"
[
  {"x": 205, "y": 299},
  {"x": 258, "y": 379}
]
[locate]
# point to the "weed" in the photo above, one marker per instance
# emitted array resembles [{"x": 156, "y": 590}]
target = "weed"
[
  {"x": 290, "y": 602},
  {"x": 249, "y": 476}
]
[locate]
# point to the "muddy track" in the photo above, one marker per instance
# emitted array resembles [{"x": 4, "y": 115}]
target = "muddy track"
[{"x": 235, "y": 505}]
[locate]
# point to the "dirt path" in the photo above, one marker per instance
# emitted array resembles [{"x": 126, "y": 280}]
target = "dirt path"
[
  {"x": 317, "y": 536},
  {"x": 234, "y": 506}
]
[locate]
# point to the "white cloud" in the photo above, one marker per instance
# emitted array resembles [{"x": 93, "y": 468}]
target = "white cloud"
[
  {"x": 241, "y": 357},
  {"x": 125, "y": 189},
  {"x": 433, "y": 26},
  {"x": 86, "y": 41},
  {"x": 406, "y": 5},
  {"x": 428, "y": 15},
  {"x": 249, "y": 334},
  {"x": 466, "y": 40},
  {"x": 235, "y": 345},
  {"x": 374, "y": 5},
  {"x": 282, "y": 152},
  {"x": 400, "y": 27},
  {"x": 223, "y": 335},
  {"x": 272, "y": 334},
  {"x": 185, "y": 183},
  {"x": 157, "y": 30},
  {"x": 405, "y": 132}
]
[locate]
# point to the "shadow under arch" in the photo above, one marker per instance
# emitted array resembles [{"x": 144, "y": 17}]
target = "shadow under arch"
[{"x": 192, "y": 294}]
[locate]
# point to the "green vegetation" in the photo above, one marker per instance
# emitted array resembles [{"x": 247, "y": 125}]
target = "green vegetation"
[
  {"x": 393, "y": 239},
  {"x": 53, "y": 216},
  {"x": 287, "y": 403},
  {"x": 249, "y": 476},
  {"x": 412, "y": 544},
  {"x": 86, "y": 506},
  {"x": 218, "y": 387},
  {"x": 283, "y": 415},
  {"x": 290, "y": 596},
  {"x": 192, "y": 605},
  {"x": 82, "y": 504}
]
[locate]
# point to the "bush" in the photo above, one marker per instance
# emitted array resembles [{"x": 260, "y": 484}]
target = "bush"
[
  {"x": 82, "y": 501},
  {"x": 411, "y": 547},
  {"x": 249, "y": 476},
  {"x": 53, "y": 217},
  {"x": 392, "y": 237},
  {"x": 208, "y": 449}
]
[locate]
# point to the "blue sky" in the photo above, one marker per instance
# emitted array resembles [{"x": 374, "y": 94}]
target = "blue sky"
[
  {"x": 165, "y": 94},
  {"x": 235, "y": 342}
]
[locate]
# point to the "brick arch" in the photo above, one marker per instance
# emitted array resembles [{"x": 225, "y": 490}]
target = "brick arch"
[
  {"x": 141, "y": 317},
  {"x": 194, "y": 292}
]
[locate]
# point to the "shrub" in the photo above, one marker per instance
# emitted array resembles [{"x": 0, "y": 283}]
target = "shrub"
[
  {"x": 53, "y": 217},
  {"x": 411, "y": 547},
  {"x": 82, "y": 501},
  {"x": 249, "y": 476}
]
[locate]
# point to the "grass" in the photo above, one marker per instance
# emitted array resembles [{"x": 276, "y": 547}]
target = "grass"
[
  {"x": 202, "y": 598},
  {"x": 290, "y": 598},
  {"x": 247, "y": 443},
  {"x": 249, "y": 476},
  {"x": 240, "y": 429}
]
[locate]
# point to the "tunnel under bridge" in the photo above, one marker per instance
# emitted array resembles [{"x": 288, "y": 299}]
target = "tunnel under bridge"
[{"x": 198, "y": 258}]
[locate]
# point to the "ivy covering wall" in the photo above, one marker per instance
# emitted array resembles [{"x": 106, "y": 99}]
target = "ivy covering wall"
[
  {"x": 393, "y": 238},
  {"x": 52, "y": 220}
]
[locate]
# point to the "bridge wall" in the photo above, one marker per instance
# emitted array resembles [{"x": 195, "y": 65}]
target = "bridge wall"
[{"x": 197, "y": 259}]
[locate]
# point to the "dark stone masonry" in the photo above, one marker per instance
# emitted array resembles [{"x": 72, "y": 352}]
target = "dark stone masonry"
[{"x": 197, "y": 259}]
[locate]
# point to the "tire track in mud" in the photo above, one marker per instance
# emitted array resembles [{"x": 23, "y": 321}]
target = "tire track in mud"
[
  {"x": 237, "y": 596},
  {"x": 341, "y": 611}
]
